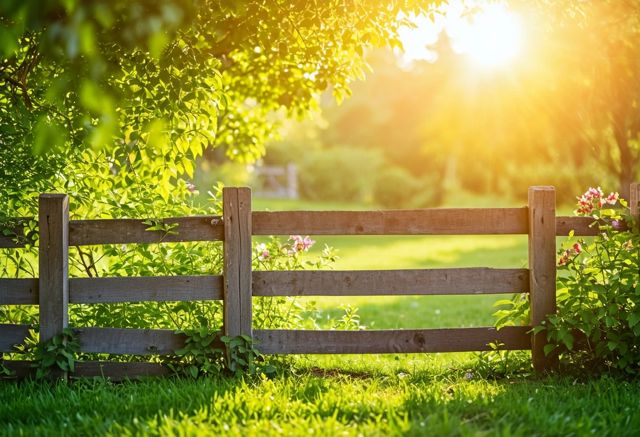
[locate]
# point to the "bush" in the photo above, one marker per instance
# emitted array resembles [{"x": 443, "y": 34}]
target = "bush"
[
  {"x": 597, "y": 324},
  {"x": 397, "y": 188},
  {"x": 338, "y": 174}
]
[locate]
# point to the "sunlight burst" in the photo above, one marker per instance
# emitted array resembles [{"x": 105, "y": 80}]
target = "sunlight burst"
[{"x": 493, "y": 36}]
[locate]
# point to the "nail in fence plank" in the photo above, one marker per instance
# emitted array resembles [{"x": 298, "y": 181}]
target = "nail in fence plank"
[
  {"x": 390, "y": 282},
  {"x": 390, "y": 341},
  {"x": 11, "y": 335},
  {"x": 129, "y": 231},
  {"x": 19, "y": 291},
  {"x": 460, "y": 221},
  {"x": 542, "y": 269},
  {"x": 54, "y": 264},
  {"x": 237, "y": 261},
  {"x": 145, "y": 289}
]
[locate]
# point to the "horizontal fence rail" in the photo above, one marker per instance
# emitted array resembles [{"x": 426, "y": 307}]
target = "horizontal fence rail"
[
  {"x": 391, "y": 341},
  {"x": 238, "y": 284},
  {"x": 460, "y": 221},
  {"x": 390, "y": 282},
  {"x": 211, "y": 228},
  {"x": 145, "y": 289},
  {"x": 125, "y": 231}
]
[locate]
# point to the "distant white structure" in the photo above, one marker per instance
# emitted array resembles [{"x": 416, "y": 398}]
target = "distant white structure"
[{"x": 277, "y": 181}]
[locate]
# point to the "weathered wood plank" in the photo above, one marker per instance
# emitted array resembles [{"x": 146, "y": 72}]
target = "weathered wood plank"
[
  {"x": 129, "y": 341},
  {"x": 19, "y": 291},
  {"x": 634, "y": 202},
  {"x": 11, "y": 335},
  {"x": 390, "y": 282},
  {"x": 54, "y": 264},
  {"x": 21, "y": 369},
  {"x": 231, "y": 245},
  {"x": 391, "y": 341},
  {"x": 542, "y": 269},
  {"x": 472, "y": 221},
  {"x": 128, "y": 231},
  {"x": 115, "y": 371},
  {"x": 143, "y": 289},
  {"x": 119, "y": 371},
  {"x": 245, "y": 260},
  {"x": 582, "y": 226}
]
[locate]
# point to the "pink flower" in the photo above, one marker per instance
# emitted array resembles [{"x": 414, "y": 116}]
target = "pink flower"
[
  {"x": 300, "y": 244},
  {"x": 593, "y": 199},
  {"x": 564, "y": 258},
  {"x": 263, "y": 252},
  {"x": 567, "y": 254},
  {"x": 190, "y": 187}
]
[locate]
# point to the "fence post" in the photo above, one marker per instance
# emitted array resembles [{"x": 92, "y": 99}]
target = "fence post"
[
  {"x": 236, "y": 204},
  {"x": 634, "y": 202},
  {"x": 542, "y": 269},
  {"x": 54, "y": 264}
]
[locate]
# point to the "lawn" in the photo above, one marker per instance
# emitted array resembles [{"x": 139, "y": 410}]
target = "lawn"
[{"x": 436, "y": 394}]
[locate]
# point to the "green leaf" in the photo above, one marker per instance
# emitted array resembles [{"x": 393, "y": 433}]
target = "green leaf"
[{"x": 548, "y": 348}]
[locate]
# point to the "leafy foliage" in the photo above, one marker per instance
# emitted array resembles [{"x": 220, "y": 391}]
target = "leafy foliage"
[
  {"x": 208, "y": 353},
  {"x": 597, "y": 324},
  {"x": 243, "y": 358},
  {"x": 58, "y": 353},
  {"x": 125, "y": 93},
  {"x": 200, "y": 356},
  {"x": 498, "y": 363}
]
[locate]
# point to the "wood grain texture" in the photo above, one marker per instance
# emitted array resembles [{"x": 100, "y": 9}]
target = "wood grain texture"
[
  {"x": 129, "y": 341},
  {"x": 11, "y": 335},
  {"x": 128, "y": 231},
  {"x": 119, "y": 371},
  {"x": 54, "y": 264},
  {"x": 19, "y": 291},
  {"x": 390, "y": 282},
  {"x": 582, "y": 226},
  {"x": 634, "y": 202},
  {"x": 472, "y": 221},
  {"x": 391, "y": 341},
  {"x": 542, "y": 269},
  {"x": 112, "y": 370},
  {"x": 231, "y": 266},
  {"x": 245, "y": 260},
  {"x": 21, "y": 369},
  {"x": 145, "y": 289}
]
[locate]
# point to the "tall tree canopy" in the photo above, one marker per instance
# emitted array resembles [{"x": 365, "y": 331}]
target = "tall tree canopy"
[{"x": 100, "y": 96}]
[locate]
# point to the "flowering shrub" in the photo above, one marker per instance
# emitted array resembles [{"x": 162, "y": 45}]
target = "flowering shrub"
[{"x": 597, "y": 324}]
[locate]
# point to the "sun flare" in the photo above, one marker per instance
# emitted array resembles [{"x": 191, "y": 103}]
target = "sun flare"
[{"x": 492, "y": 37}]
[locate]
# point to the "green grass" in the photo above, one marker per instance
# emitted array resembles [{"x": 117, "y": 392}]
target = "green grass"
[
  {"x": 420, "y": 394},
  {"x": 415, "y": 399}
]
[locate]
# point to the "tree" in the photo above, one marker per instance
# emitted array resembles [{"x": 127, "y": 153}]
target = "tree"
[{"x": 99, "y": 97}]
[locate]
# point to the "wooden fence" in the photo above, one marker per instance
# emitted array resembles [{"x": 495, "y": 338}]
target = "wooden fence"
[{"x": 54, "y": 290}]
